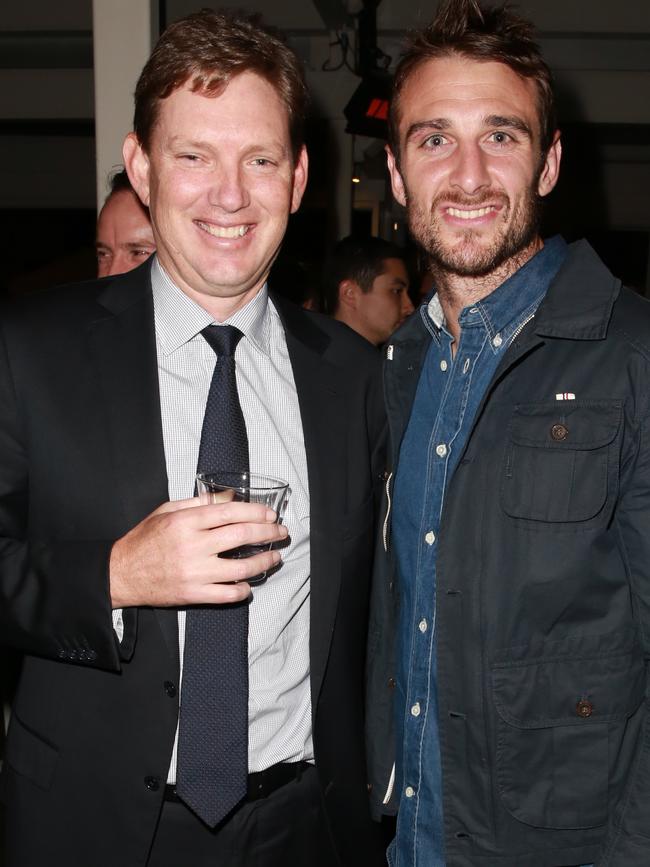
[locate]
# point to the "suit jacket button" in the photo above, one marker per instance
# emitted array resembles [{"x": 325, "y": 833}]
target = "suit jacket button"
[
  {"x": 584, "y": 708},
  {"x": 170, "y": 689},
  {"x": 63, "y": 653},
  {"x": 152, "y": 783},
  {"x": 91, "y": 655}
]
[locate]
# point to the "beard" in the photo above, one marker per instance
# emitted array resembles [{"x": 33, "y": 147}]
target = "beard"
[{"x": 516, "y": 227}]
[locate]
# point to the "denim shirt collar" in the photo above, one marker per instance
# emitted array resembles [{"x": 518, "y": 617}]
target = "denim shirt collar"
[{"x": 502, "y": 311}]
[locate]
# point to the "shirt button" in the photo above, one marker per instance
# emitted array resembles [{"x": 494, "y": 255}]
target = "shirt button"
[
  {"x": 415, "y": 710},
  {"x": 497, "y": 340},
  {"x": 422, "y": 625},
  {"x": 430, "y": 538},
  {"x": 443, "y": 365},
  {"x": 409, "y": 791},
  {"x": 441, "y": 450}
]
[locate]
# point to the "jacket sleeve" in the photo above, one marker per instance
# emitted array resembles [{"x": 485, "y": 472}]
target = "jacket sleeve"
[
  {"x": 628, "y": 839},
  {"x": 54, "y": 594}
]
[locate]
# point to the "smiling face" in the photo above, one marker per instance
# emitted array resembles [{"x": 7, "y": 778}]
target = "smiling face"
[
  {"x": 220, "y": 182},
  {"x": 471, "y": 173}
]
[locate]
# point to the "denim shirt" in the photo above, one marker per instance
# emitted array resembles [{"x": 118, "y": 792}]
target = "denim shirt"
[{"x": 448, "y": 395}]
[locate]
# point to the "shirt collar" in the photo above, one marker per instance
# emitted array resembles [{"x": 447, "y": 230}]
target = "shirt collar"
[
  {"x": 501, "y": 310},
  {"x": 179, "y": 319}
]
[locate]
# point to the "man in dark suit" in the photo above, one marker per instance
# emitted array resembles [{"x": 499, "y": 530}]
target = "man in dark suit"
[{"x": 103, "y": 392}]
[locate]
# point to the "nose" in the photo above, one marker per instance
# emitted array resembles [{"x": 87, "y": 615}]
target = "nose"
[
  {"x": 228, "y": 190},
  {"x": 407, "y": 306},
  {"x": 470, "y": 172}
]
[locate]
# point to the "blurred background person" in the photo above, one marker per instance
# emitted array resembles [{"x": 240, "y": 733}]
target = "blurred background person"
[
  {"x": 366, "y": 285},
  {"x": 124, "y": 236}
]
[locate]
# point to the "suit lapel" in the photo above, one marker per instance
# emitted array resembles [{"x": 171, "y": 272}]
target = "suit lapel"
[
  {"x": 124, "y": 348},
  {"x": 323, "y": 422}
]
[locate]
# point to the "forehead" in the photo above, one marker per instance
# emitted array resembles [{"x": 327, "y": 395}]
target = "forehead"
[
  {"x": 395, "y": 268},
  {"x": 460, "y": 88},
  {"x": 247, "y": 107},
  {"x": 123, "y": 209}
]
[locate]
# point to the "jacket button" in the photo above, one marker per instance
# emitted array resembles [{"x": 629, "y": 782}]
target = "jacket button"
[
  {"x": 559, "y": 432},
  {"x": 152, "y": 783},
  {"x": 584, "y": 708},
  {"x": 170, "y": 689},
  {"x": 91, "y": 655},
  {"x": 391, "y": 683}
]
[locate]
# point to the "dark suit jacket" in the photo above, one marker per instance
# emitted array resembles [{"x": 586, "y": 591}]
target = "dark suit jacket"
[{"x": 81, "y": 462}]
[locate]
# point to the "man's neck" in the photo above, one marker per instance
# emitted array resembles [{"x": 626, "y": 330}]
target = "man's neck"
[{"x": 455, "y": 292}]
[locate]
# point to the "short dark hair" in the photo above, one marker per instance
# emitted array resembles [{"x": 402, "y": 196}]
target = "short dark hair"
[
  {"x": 118, "y": 181},
  {"x": 358, "y": 259},
  {"x": 467, "y": 29},
  {"x": 207, "y": 49}
]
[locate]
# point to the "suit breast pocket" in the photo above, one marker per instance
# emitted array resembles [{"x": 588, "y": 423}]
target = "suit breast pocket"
[{"x": 561, "y": 463}]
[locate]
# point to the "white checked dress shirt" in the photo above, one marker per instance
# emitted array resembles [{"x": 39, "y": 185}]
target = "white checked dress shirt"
[{"x": 278, "y": 645}]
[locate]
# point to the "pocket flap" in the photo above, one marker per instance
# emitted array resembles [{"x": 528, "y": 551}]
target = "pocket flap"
[
  {"x": 566, "y": 424},
  {"x": 577, "y": 681}
]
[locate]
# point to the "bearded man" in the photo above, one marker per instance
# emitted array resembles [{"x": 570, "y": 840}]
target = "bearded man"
[{"x": 518, "y": 542}]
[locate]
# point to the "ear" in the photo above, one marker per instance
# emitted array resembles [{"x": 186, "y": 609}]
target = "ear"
[
  {"x": 396, "y": 181},
  {"x": 300, "y": 173},
  {"x": 136, "y": 163},
  {"x": 551, "y": 169},
  {"x": 349, "y": 291}
]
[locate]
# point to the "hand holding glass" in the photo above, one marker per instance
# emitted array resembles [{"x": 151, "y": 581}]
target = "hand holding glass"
[{"x": 224, "y": 487}]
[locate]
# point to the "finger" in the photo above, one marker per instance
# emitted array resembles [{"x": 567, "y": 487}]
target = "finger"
[
  {"x": 177, "y": 505},
  {"x": 219, "y": 515},
  {"x": 225, "y": 594},
  {"x": 230, "y": 536},
  {"x": 237, "y": 571}
]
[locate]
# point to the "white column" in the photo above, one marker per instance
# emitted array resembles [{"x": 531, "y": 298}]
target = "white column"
[{"x": 124, "y": 32}]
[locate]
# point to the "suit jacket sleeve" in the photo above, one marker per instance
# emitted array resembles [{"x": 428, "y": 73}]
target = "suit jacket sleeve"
[{"x": 54, "y": 594}]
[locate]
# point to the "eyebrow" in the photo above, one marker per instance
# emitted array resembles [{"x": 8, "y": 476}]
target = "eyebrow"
[
  {"x": 438, "y": 124},
  {"x": 179, "y": 141},
  {"x": 441, "y": 124},
  {"x": 509, "y": 122}
]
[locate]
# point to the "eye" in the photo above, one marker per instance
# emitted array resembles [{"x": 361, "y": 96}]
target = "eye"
[
  {"x": 262, "y": 162},
  {"x": 141, "y": 254},
  {"x": 499, "y": 137},
  {"x": 190, "y": 158},
  {"x": 433, "y": 142}
]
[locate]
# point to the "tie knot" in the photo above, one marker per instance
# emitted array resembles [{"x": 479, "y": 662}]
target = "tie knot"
[{"x": 223, "y": 338}]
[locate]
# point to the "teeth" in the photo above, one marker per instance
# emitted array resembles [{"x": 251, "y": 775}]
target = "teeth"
[
  {"x": 468, "y": 215},
  {"x": 224, "y": 231}
]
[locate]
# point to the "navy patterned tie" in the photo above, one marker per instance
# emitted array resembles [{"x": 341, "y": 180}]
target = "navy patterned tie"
[{"x": 213, "y": 731}]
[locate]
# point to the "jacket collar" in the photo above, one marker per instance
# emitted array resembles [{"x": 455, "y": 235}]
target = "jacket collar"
[
  {"x": 577, "y": 306},
  {"x": 579, "y": 302}
]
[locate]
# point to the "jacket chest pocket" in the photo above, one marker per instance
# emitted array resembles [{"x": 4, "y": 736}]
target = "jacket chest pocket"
[
  {"x": 561, "y": 462},
  {"x": 561, "y": 719}
]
